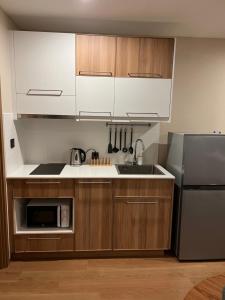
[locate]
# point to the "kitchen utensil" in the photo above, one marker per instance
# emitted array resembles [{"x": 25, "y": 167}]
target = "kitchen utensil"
[
  {"x": 125, "y": 141},
  {"x": 131, "y": 149},
  {"x": 121, "y": 133},
  {"x": 77, "y": 156},
  {"x": 115, "y": 149},
  {"x": 110, "y": 147}
]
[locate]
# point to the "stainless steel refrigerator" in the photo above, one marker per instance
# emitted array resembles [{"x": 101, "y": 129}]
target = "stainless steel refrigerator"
[{"x": 198, "y": 163}]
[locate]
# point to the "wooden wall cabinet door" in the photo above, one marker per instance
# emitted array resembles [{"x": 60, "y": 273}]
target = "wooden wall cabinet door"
[
  {"x": 44, "y": 72},
  {"x": 156, "y": 57},
  {"x": 93, "y": 221},
  {"x": 95, "y": 55},
  {"x": 144, "y": 57},
  {"x": 127, "y": 56}
]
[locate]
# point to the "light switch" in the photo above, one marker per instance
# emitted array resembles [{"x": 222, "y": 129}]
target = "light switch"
[{"x": 12, "y": 143}]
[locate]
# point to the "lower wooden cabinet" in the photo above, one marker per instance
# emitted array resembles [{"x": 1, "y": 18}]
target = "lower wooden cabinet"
[
  {"x": 142, "y": 223},
  {"x": 43, "y": 242},
  {"x": 109, "y": 215},
  {"x": 142, "y": 214},
  {"x": 93, "y": 219}
]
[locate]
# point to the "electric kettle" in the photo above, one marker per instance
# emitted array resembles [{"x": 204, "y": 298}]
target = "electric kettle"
[{"x": 77, "y": 156}]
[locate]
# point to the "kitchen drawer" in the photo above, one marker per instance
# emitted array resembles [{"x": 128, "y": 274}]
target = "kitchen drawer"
[
  {"x": 143, "y": 188},
  {"x": 43, "y": 188},
  {"x": 44, "y": 243}
]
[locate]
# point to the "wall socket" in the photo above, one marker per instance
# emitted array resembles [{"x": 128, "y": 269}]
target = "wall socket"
[{"x": 12, "y": 143}]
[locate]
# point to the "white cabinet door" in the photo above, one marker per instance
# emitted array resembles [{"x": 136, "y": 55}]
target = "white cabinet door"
[
  {"x": 95, "y": 96},
  {"x": 142, "y": 98},
  {"x": 46, "y": 105},
  {"x": 44, "y": 61}
]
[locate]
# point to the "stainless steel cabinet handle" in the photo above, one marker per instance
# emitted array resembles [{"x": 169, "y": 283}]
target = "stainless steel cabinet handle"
[
  {"x": 144, "y": 75},
  {"x": 95, "y": 182},
  {"x": 44, "y": 238},
  {"x": 142, "y": 114},
  {"x": 86, "y": 113},
  {"x": 142, "y": 202},
  {"x": 43, "y": 182},
  {"x": 143, "y": 197},
  {"x": 95, "y": 73},
  {"x": 37, "y": 92}
]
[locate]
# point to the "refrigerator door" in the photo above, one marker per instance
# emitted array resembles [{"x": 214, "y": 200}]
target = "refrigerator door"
[
  {"x": 204, "y": 160},
  {"x": 202, "y": 224}
]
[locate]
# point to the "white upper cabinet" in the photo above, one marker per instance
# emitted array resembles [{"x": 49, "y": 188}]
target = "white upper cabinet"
[
  {"x": 95, "y": 96},
  {"x": 138, "y": 98},
  {"x": 45, "y": 72}
]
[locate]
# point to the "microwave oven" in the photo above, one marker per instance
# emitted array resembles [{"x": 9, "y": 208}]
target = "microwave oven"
[{"x": 48, "y": 213}]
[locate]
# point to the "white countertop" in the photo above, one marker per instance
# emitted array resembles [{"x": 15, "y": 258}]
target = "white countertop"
[{"x": 85, "y": 171}]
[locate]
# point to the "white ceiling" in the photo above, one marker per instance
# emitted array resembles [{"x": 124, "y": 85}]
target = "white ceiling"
[{"x": 195, "y": 18}]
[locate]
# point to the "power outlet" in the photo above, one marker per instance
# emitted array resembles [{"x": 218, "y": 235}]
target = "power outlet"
[{"x": 12, "y": 143}]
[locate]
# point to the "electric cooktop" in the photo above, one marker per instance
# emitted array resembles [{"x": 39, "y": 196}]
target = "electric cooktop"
[{"x": 48, "y": 169}]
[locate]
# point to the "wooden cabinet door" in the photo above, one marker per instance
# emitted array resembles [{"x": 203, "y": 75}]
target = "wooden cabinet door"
[
  {"x": 142, "y": 223},
  {"x": 144, "y": 57},
  {"x": 95, "y": 55},
  {"x": 127, "y": 56},
  {"x": 142, "y": 214},
  {"x": 156, "y": 57},
  {"x": 93, "y": 224}
]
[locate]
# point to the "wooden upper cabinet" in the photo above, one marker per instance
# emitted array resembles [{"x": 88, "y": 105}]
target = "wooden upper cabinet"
[
  {"x": 127, "y": 57},
  {"x": 144, "y": 57},
  {"x": 156, "y": 57},
  {"x": 95, "y": 55}
]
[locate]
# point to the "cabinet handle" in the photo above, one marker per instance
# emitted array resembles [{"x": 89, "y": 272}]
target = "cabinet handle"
[
  {"x": 95, "y": 114},
  {"x": 143, "y": 197},
  {"x": 43, "y": 182},
  {"x": 144, "y": 75},
  {"x": 95, "y": 73},
  {"x": 144, "y": 115},
  {"x": 95, "y": 182},
  {"x": 52, "y": 238},
  {"x": 36, "y": 92},
  {"x": 142, "y": 202}
]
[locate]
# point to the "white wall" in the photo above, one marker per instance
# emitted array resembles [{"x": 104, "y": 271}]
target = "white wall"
[
  {"x": 199, "y": 89},
  {"x": 13, "y": 157},
  {"x": 44, "y": 140}
]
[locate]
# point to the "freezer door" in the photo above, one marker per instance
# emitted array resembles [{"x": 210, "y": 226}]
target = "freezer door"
[
  {"x": 204, "y": 160},
  {"x": 202, "y": 225}
]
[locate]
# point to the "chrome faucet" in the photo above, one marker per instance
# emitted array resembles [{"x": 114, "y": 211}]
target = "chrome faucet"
[{"x": 135, "y": 150}]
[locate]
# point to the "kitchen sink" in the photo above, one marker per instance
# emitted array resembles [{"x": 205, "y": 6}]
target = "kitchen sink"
[{"x": 138, "y": 170}]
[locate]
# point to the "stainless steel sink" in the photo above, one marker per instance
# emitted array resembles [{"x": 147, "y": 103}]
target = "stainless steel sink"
[{"x": 138, "y": 170}]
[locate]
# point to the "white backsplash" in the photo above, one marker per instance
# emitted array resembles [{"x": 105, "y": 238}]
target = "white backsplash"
[
  {"x": 47, "y": 140},
  {"x": 13, "y": 157}
]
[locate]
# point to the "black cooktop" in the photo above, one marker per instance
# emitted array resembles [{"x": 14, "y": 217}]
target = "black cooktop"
[{"x": 48, "y": 169}]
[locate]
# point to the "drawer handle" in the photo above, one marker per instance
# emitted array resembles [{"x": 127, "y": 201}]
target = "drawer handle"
[
  {"x": 43, "y": 182},
  {"x": 143, "y": 197},
  {"x": 144, "y": 75},
  {"x": 95, "y": 182},
  {"x": 32, "y": 239},
  {"x": 142, "y": 202},
  {"x": 37, "y": 92},
  {"x": 95, "y": 73}
]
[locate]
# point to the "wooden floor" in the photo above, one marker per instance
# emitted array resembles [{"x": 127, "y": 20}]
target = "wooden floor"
[{"x": 108, "y": 279}]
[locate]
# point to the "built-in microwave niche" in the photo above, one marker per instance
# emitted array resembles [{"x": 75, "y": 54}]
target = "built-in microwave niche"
[{"x": 29, "y": 211}]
